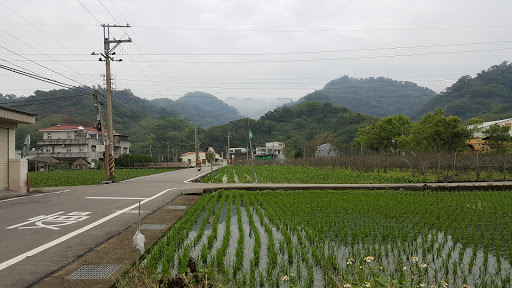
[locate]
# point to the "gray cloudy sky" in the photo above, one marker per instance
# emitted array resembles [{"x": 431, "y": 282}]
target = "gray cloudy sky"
[{"x": 251, "y": 49}]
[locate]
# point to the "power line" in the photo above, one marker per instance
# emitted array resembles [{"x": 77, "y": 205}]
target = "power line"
[
  {"x": 89, "y": 12},
  {"x": 41, "y": 31},
  {"x": 298, "y": 52},
  {"x": 330, "y": 59},
  {"x": 305, "y": 60},
  {"x": 209, "y": 29}
]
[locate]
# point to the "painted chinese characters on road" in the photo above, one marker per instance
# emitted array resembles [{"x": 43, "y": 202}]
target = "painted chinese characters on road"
[{"x": 52, "y": 221}]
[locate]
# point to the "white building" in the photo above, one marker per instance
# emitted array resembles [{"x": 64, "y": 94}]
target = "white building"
[
  {"x": 71, "y": 140},
  {"x": 189, "y": 159},
  {"x": 482, "y": 127},
  {"x": 271, "y": 148}
]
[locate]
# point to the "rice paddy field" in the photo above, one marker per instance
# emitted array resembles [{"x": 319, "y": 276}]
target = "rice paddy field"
[
  {"x": 59, "y": 178},
  {"x": 352, "y": 238},
  {"x": 311, "y": 175}
]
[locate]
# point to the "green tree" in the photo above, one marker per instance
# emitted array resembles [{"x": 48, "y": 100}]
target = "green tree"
[
  {"x": 383, "y": 136},
  {"x": 497, "y": 136},
  {"x": 436, "y": 133}
]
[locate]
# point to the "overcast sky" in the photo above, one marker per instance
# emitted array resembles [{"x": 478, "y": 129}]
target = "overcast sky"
[{"x": 250, "y": 49}]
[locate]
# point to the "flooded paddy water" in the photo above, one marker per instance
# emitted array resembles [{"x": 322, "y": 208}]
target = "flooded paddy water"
[{"x": 333, "y": 238}]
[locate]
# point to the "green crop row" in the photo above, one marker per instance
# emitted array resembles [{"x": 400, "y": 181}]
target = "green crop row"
[
  {"x": 353, "y": 238},
  {"x": 312, "y": 175},
  {"x": 59, "y": 178}
]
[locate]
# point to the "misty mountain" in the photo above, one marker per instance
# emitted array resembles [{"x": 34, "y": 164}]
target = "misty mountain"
[
  {"x": 255, "y": 108},
  {"x": 378, "y": 97},
  {"x": 200, "y": 107},
  {"x": 488, "y": 95}
]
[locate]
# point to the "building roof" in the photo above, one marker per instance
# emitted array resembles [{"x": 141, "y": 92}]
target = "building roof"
[
  {"x": 71, "y": 160},
  {"x": 41, "y": 158},
  {"x": 486, "y": 125},
  {"x": 64, "y": 127},
  {"x": 17, "y": 111},
  {"x": 73, "y": 127}
]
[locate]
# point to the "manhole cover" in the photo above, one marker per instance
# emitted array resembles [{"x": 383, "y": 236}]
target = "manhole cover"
[
  {"x": 152, "y": 226},
  {"x": 94, "y": 271},
  {"x": 177, "y": 207}
]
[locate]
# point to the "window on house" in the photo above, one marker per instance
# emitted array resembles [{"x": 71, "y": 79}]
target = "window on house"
[
  {"x": 68, "y": 148},
  {"x": 68, "y": 135},
  {"x": 48, "y": 135},
  {"x": 269, "y": 151},
  {"x": 82, "y": 148},
  {"x": 48, "y": 149},
  {"x": 125, "y": 150},
  {"x": 93, "y": 148}
]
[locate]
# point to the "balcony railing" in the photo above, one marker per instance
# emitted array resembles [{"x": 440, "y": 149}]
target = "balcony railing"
[
  {"x": 66, "y": 154},
  {"x": 65, "y": 141}
]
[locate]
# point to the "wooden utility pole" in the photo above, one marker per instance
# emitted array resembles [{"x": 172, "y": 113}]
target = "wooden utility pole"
[
  {"x": 99, "y": 118},
  {"x": 228, "y": 155},
  {"x": 196, "y": 144},
  {"x": 252, "y": 152},
  {"x": 107, "y": 57}
]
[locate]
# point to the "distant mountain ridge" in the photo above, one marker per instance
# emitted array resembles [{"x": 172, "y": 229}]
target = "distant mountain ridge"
[
  {"x": 378, "y": 97},
  {"x": 488, "y": 95},
  {"x": 202, "y": 108}
]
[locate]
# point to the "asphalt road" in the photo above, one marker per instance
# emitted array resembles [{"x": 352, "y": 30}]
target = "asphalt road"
[{"x": 43, "y": 233}]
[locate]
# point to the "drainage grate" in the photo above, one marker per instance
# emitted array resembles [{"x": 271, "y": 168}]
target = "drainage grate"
[
  {"x": 152, "y": 226},
  {"x": 177, "y": 207},
  {"x": 94, "y": 271}
]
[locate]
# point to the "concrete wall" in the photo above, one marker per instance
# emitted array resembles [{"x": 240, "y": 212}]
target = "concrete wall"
[{"x": 18, "y": 169}]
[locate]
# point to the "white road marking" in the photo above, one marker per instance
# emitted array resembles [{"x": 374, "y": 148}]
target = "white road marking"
[
  {"x": 117, "y": 198},
  {"x": 141, "y": 177},
  {"x": 74, "y": 233},
  {"x": 53, "y": 220},
  {"x": 35, "y": 195},
  {"x": 200, "y": 175}
]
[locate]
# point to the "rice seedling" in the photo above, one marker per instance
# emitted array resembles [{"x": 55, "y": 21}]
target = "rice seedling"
[{"x": 333, "y": 238}]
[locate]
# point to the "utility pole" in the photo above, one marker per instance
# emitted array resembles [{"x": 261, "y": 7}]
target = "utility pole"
[
  {"x": 99, "y": 118},
  {"x": 228, "y": 156},
  {"x": 107, "y": 57},
  {"x": 196, "y": 145},
  {"x": 252, "y": 152}
]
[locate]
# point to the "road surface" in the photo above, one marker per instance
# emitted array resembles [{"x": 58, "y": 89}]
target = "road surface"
[{"x": 42, "y": 233}]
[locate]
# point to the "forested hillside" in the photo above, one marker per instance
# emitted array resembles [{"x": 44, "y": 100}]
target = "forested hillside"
[
  {"x": 302, "y": 127},
  {"x": 202, "y": 108},
  {"x": 378, "y": 97},
  {"x": 72, "y": 107},
  {"x": 488, "y": 95}
]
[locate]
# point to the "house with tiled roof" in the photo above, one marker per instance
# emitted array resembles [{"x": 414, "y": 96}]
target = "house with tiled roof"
[{"x": 77, "y": 141}]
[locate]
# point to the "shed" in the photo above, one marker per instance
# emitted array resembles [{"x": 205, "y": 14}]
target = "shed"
[{"x": 13, "y": 172}]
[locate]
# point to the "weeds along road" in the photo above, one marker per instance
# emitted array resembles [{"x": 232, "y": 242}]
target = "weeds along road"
[{"x": 42, "y": 233}]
